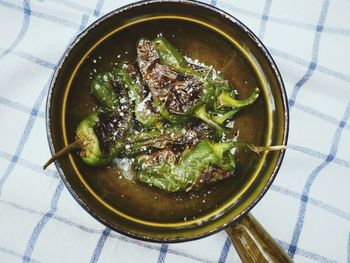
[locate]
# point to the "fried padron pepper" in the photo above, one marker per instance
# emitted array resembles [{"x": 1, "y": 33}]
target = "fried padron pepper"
[
  {"x": 207, "y": 162},
  {"x": 216, "y": 88},
  {"x": 99, "y": 137},
  {"x": 127, "y": 75},
  {"x": 181, "y": 91},
  {"x": 102, "y": 89}
]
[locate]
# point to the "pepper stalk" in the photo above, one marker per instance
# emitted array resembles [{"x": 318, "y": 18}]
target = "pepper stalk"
[
  {"x": 172, "y": 176},
  {"x": 217, "y": 93}
]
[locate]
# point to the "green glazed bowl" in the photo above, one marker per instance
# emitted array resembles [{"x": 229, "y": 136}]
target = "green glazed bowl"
[{"x": 211, "y": 36}]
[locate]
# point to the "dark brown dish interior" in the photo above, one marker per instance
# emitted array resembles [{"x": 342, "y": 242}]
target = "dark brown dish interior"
[
  {"x": 135, "y": 198},
  {"x": 263, "y": 122}
]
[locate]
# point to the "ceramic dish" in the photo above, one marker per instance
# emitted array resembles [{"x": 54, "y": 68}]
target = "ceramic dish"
[{"x": 213, "y": 37}]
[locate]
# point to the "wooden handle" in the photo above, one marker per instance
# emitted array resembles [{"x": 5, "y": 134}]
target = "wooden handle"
[{"x": 254, "y": 244}]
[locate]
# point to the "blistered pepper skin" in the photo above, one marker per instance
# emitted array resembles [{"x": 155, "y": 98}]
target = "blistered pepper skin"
[
  {"x": 170, "y": 92},
  {"x": 101, "y": 87},
  {"x": 169, "y": 55},
  {"x": 173, "y": 177},
  {"x": 143, "y": 115},
  {"x": 160, "y": 139},
  {"x": 91, "y": 153},
  {"x": 217, "y": 93}
]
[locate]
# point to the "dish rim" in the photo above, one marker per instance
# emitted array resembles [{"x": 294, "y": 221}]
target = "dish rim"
[{"x": 258, "y": 44}]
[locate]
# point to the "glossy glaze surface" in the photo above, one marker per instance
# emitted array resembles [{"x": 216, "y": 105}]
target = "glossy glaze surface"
[
  {"x": 254, "y": 244},
  {"x": 137, "y": 209}
]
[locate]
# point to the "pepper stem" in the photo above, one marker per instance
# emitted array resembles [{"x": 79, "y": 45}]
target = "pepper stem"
[
  {"x": 202, "y": 114},
  {"x": 225, "y": 100},
  {"x": 69, "y": 148},
  {"x": 259, "y": 149}
]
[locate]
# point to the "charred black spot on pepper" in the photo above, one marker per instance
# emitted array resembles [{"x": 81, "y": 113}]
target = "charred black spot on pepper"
[
  {"x": 183, "y": 94},
  {"x": 114, "y": 125}
]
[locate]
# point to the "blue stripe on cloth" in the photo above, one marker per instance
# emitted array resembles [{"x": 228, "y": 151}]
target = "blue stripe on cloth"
[
  {"x": 318, "y": 114},
  {"x": 337, "y": 31},
  {"x": 55, "y": 217},
  {"x": 100, "y": 244},
  {"x": 51, "y": 18},
  {"x": 290, "y": 57},
  {"x": 136, "y": 242},
  {"x": 114, "y": 235},
  {"x": 75, "y": 6},
  {"x": 329, "y": 30},
  {"x": 213, "y": 2},
  {"x": 83, "y": 22},
  {"x": 302, "y": 209},
  {"x": 317, "y": 154},
  {"x": 18, "y": 106},
  {"x": 300, "y": 61},
  {"x": 162, "y": 253},
  {"x": 31, "y": 58},
  {"x": 225, "y": 250},
  {"x": 25, "y": 24},
  {"x": 40, "y": 226},
  {"x": 333, "y": 73},
  {"x": 235, "y": 9},
  {"x": 24, "y": 137},
  {"x": 27, "y": 164},
  {"x": 342, "y": 162},
  {"x": 314, "y": 56},
  {"x": 283, "y": 21},
  {"x": 27, "y": 130},
  {"x": 53, "y": 206},
  {"x": 302, "y": 149},
  {"x": 98, "y": 8},
  {"x": 13, "y": 253},
  {"x": 307, "y": 254},
  {"x": 264, "y": 18},
  {"x": 307, "y": 187},
  {"x": 281, "y": 54},
  {"x": 320, "y": 204},
  {"x": 32, "y": 118}
]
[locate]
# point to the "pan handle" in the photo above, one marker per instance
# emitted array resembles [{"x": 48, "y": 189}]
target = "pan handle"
[{"x": 254, "y": 244}]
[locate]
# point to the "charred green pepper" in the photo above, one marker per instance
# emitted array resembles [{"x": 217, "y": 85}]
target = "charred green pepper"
[
  {"x": 159, "y": 139},
  {"x": 101, "y": 135},
  {"x": 172, "y": 177},
  {"x": 91, "y": 153},
  {"x": 126, "y": 75},
  {"x": 99, "y": 141},
  {"x": 178, "y": 97},
  {"x": 206, "y": 162},
  {"x": 216, "y": 90},
  {"x": 169, "y": 55},
  {"x": 101, "y": 87},
  {"x": 87, "y": 142},
  {"x": 174, "y": 95}
]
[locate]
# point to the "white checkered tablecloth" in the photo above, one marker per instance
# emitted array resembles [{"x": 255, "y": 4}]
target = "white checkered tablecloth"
[{"x": 307, "y": 208}]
